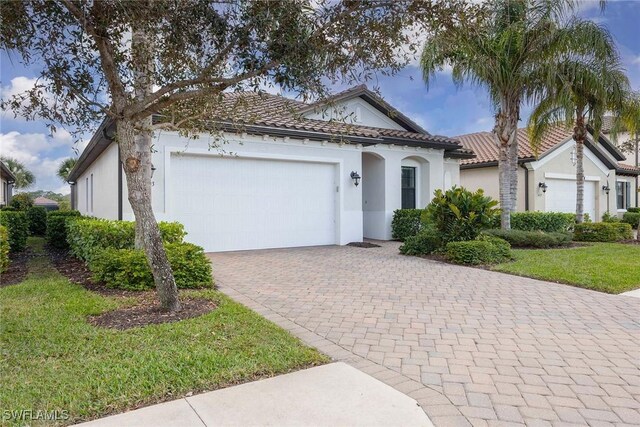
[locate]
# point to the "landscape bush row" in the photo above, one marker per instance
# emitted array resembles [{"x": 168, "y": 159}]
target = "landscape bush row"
[
  {"x": 4, "y": 249},
  {"x": 463, "y": 226},
  {"x": 108, "y": 248}
]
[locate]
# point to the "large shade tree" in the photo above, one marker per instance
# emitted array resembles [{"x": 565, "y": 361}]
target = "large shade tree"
[
  {"x": 129, "y": 60},
  {"x": 507, "y": 51},
  {"x": 24, "y": 177},
  {"x": 584, "y": 87}
]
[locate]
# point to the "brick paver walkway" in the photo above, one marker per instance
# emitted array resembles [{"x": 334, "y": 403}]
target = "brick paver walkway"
[{"x": 471, "y": 346}]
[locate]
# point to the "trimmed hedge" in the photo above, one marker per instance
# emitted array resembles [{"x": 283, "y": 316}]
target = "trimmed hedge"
[
  {"x": 17, "y": 229},
  {"x": 531, "y": 239},
  {"x": 56, "y": 233},
  {"x": 633, "y": 210},
  {"x": 405, "y": 223},
  {"x": 89, "y": 236},
  {"x": 37, "y": 220},
  {"x": 4, "y": 249},
  {"x": 631, "y": 218},
  {"x": 425, "y": 242},
  {"x": 484, "y": 250},
  {"x": 602, "y": 232},
  {"x": 128, "y": 269},
  {"x": 550, "y": 222}
]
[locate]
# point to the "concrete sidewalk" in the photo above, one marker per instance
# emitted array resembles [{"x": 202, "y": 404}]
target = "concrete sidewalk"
[{"x": 329, "y": 395}]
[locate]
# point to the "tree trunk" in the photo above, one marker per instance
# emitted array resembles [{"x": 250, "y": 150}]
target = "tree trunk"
[
  {"x": 135, "y": 143},
  {"x": 579, "y": 182},
  {"x": 579, "y": 135},
  {"x": 135, "y": 138},
  {"x": 505, "y": 136}
]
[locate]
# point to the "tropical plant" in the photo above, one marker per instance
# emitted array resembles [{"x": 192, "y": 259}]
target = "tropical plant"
[
  {"x": 458, "y": 214},
  {"x": 21, "y": 201},
  {"x": 65, "y": 168},
  {"x": 509, "y": 52},
  {"x": 24, "y": 177},
  {"x": 130, "y": 60},
  {"x": 584, "y": 87}
]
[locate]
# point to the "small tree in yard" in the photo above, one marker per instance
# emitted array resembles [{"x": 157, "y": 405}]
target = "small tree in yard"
[
  {"x": 585, "y": 86},
  {"x": 129, "y": 60}
]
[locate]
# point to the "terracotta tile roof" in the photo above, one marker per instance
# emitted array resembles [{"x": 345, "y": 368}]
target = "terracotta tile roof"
[
  {"x": 44, "y": 201},
  {"x": 632, "y": 170},
  {"x": 277, "y": 111},
  {"x": 483, "y": 144}
]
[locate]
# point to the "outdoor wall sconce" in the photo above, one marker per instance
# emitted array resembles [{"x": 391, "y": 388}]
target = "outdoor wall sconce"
[
  {"x": 153, "y": 169},
  {"x": 355, "y": 177},
  {"x": 606, "y": 189},
  {"x": 543, "y": 186}
]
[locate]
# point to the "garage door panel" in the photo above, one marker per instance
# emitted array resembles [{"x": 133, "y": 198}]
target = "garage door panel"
[
  {"x": 561, "y": 196},
  {"x": 232, "y": 203}
]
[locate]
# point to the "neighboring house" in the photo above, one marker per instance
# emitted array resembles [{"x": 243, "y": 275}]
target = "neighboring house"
[
  {"x": 48, "y": 204},
  {"x": 6, "y": 181},
  {"x": 288, "y": 176},
  {"x": 547, "y": 182}
]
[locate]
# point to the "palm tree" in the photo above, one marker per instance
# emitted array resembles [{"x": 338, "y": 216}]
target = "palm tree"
[
  {"x": 24, "y": 177},
  {"x": 585, "y": 86},
  {"x": 508, "y": 51},
  {"x": 65, "y": 168}
]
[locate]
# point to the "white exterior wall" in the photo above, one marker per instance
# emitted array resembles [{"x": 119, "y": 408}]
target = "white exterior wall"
[
  {"x": 104, "y": 197},
  {"x": 355, "y": 111},
  {"x": 4, "y": 189}
]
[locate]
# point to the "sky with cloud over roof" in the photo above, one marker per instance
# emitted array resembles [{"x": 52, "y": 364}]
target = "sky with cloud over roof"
[{"x": 442, "y": 109}]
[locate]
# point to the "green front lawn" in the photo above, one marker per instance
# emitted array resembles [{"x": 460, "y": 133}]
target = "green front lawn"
[
  {"x": 52, "y": 359},
  {"x": 606, "y": 267}
]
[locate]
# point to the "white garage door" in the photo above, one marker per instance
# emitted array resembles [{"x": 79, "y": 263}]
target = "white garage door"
[
  {"x": 561, "y": 196},
  {"x": 231, "y": 203}
]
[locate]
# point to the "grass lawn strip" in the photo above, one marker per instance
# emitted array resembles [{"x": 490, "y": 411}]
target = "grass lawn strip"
[
  {"x": 53, "y": 359},
  {"x": 605, "y": 267}
]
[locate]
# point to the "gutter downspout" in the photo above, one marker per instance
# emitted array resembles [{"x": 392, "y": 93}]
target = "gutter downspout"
[{"x": 526, "y": 186}]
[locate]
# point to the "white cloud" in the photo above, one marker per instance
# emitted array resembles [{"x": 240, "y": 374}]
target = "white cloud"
[{"x": 39, "y": 153}]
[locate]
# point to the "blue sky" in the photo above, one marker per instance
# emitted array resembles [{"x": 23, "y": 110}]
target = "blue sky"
[{"x": 443, "y": 109}]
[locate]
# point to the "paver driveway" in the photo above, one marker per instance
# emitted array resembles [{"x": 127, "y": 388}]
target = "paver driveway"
[{"x": 471, "y": 346}]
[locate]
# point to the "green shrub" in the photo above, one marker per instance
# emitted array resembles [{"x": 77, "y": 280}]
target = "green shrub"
[
  {"x": 602, "y": 232},
  {"x": 89, "y": 236},
  {"x": 607, "y": 217},
  {"x": 128, "y": 269},
  {"x": 21, "y": 202},
  {"x": 631, "y": 218},
  {"x": 37, "y": 220},
  {"x": 633, "y": 210},
  {"x": 550, "y": 222},
  {"x": 56, "y": 234},
  {"x": 531, "y": 239},
  {"x": 17, "y": 228},
  {"x": 4, "y": 249},
  {"x": 459, "y": 214},
  {"x": 484, "y": 250},
  {"x": 425, "y": 242},
  {"x": 405, "y": 223}
]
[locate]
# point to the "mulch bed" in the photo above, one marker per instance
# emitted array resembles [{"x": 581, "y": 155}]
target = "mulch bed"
[
  {"x": 17, "y": 268},
  {"x": 631, "y": 242},
  {"x": 363, "y": 245},
  {"x": 147, "y": 311},
  {"x": 150, "y": 313}
]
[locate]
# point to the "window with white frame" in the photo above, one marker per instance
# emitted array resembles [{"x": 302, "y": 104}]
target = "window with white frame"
[
  {"x": 86, "y": 194},
  {"x": 623, "y": 194}
]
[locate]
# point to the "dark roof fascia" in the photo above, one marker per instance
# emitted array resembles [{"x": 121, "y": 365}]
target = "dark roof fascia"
[
  {"x": 6, "y": 172},
  {"x": 608, "y": 145},
  {"x": 493, "y": 163},
  {"x": 595, "y": 149},
  {"x": 96, "y": 146},
  {"x": 375, "y": 101},
  {"x": 459, "y": 155}
]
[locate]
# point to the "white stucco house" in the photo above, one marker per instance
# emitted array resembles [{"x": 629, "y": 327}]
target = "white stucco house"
[
  {"x": 291, "y": 174},
  {"x": 7, "y": 179},
  {"x": 547, "y": 179}
]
